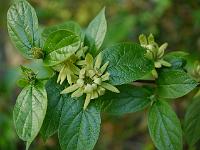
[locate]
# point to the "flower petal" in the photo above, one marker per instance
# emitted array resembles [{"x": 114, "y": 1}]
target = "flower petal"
[
  {"x": 105, "y": 77},
  {"x": 89, "y": 61},
  {"x": 94, "y": 95},
  {"x": 98, "y": 61},
  {"x": 103, "y": 68},
  {"x": 143, "y": 39},
  {"x": 70, "y": 89},
  {"x": 77, "y": 93},
  {"x": 110, "y": 87},
  {"x": 87, "y": 101}
]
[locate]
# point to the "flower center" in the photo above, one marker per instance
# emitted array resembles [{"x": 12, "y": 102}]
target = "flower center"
[{"x": 88, "y": 80}]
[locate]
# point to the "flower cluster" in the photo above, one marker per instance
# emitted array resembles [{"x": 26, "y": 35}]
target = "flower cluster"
[
  {"x": 154, "y": 52},
  {"x": 69, "y": 69},
  {"x": 90, "y": 78}
]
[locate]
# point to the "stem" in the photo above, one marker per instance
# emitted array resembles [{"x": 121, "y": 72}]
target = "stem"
[{"x": 144, "y": 82}]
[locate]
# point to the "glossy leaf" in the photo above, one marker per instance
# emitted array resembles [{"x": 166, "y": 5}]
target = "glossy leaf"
[
  {"x": 177, "y": 59},
  {"x": 29, "y": 111},
  {"x": 69, "y": 26},
  {"x": 192, "y": 121},
  {"x": 127, "y": 63},
  {"x": 97, "y": 28},
  {"x": 164, "y": 127},
  {"x": 174, "y": 83},
  {"x": 59, "y": 46},
  {"x": 23, "y": 27},
  {"x": 54, "y": 108},
  {"x": 130, "y": 99},
  {"x": 79, "y": 129}
]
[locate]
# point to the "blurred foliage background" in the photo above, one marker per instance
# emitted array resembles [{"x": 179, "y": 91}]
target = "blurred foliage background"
[{"x": 174, "y": 21}]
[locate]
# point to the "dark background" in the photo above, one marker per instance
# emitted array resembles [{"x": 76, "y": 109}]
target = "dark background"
[{"x": 174, "y": 21}]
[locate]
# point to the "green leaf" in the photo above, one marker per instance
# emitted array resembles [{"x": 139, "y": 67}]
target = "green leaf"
[
  {"x": 54, "y": 108},
  {"x": 177, "y": 59},
  {"x": 164, "y": 127},
  {"x": 127, "y": 63},
  {"x": 79, "y": 129},
  {"x": 29, "y": 111},
  {"x": 174, "y": 83},
  {"x": 130, "y": 99},
  {"x": 192, "y": 121},
  {"x": 97, "y": 28},
  {"x": 59, "y": 46},
  {"x": 68, "y": 25},
  {"x": 23, "y": 27},
  {"x": 59, "y": 39}
]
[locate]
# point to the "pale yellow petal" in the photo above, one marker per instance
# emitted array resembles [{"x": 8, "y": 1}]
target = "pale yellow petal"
[
  {"x": 60, "y": 73},
  {"x": 143, "y": 39},
  {"x": 74, "y": 69},
  {"x": 151, "y": 39},
  {"x": 105, "y": 77},
  {"x": 81, "y": 63},
  {"x": 77, "y": 93},
  {"x": 94, "y": 95},
  {"x": 157, "y": 64},
  {"x": 70, "y": 89},
  {"x": 165, "y": 63},
  {"x": 110, "y": 87},
  {"x": 69, "y": 78},
  {"x": 63, "y": 75},
  {"x": 101, "y": 90},
  {"x": 104, "y": 67},
  {"x": 82, "y": 73},
  {"x": 97, "y": 80},
  {"x": 87, "y": 101},
  {"x": 98, "y": 61},
  {"x": 88, "y": 88},
  {"x": 89, "y": 61},
  {"x": 154, "y": 73},
  {"x": 80, "y": 82},
  {"x": 90, "y": 73}
]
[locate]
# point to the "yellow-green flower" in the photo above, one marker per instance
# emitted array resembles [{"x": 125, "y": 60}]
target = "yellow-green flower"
[
  {"x": 154, "y": 52},
  {"x": 69, "y": 69},
  {"x": 92, "y": 80}
]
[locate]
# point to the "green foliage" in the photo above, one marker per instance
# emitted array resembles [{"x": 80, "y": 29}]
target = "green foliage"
[
  {"x": 29, "y": 111},
  {"x": 84, "y": 80},
  {"x": 127, "y": 63},
  {"x": 174, "y": 83},
  {"x": 69, "y": 26},
  {"x": 130, "y": 99},
  {"x": 23, "y": 28},
  {"x": 177, "y": 59},
  {"x": 192, "y": 121},
  {"x": 79, "y": 129},
  {"x": 59, "y": 46},
  {"x": 164, "y": 127},
  {"x": 96, "y": 31},
  {"x": 54, "y": 108}
]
